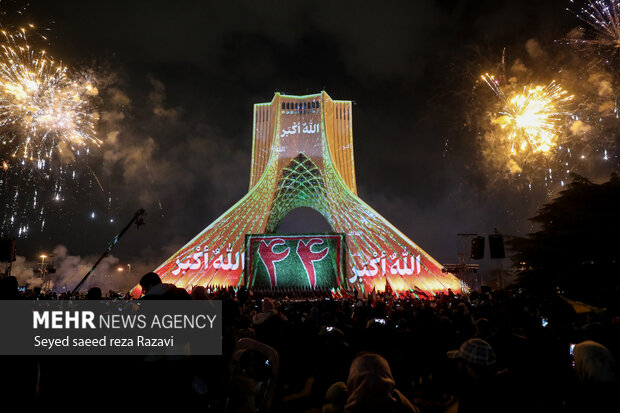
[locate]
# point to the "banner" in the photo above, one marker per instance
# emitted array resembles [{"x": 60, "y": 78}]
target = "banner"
[{"x": 309, "y": 260}]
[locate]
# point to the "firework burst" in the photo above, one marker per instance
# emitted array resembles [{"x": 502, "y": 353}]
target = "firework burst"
[
  {"x": 603, "y": 19},
  {"x": 47, "y": 128},
  {"x": 43, "y": 108},
  {"x": 532, "y": 117}
]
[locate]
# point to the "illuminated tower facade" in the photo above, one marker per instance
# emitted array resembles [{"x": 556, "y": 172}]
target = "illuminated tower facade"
[{"x": 302, "y": 155}]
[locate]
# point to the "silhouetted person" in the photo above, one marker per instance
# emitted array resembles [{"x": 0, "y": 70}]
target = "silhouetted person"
[
  {"x": 199, "y": 293},
  {"x": 484, "y": 329},
  {"x": 154, "y": 289},
  {"x": 8, "y": 288},
  {"x": 370, "y": 388},
  {"x": 269, "y": 325},
  {"x": 243, "y": 294},
  {"x": 94, "y": 294},
  {"x": 597, "y": 385},
  {"x": 481, "y": 388}
]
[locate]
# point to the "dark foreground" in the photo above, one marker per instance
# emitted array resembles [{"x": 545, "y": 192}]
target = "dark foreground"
[{"x": 298, "y": 344}]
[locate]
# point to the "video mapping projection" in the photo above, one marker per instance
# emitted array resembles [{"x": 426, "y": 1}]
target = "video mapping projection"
[{"x": 302, "y": 156}]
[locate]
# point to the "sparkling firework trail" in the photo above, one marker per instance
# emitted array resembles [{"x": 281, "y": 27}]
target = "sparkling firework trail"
[
  {"x": 96, "y": 178},
  {"x": 603, "y": 17},
  {"x": 531, "y": 118},
  {"x": 42, "y": 107}
]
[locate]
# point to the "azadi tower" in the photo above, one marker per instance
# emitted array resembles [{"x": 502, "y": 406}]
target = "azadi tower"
[{"x": 302, "y": 155}]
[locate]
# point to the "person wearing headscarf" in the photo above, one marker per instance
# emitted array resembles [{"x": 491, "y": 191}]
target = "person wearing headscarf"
[
  {"x": 597, "y": 381},
  {"x": 371, "y": 388},
  {"x": 594, "y": 363}
]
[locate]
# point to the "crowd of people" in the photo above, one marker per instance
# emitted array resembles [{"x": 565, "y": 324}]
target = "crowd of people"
[{"x": 496, "y": 351}]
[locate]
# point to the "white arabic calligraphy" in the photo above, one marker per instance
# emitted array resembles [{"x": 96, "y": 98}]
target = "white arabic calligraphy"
[
  {"x": 301, "y": 127},
  {"x": 400, "y": 267},
  {"x": 222, "y": 261}
]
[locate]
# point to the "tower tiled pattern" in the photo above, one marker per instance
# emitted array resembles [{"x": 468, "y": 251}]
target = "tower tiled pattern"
[{"x": 302, "y": 155}]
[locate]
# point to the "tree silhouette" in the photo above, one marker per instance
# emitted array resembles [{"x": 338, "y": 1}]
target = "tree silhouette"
[{"x": 576, "y": 249}]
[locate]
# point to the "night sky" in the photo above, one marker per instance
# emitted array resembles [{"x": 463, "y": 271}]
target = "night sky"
[{"x": 178, "y": 80}]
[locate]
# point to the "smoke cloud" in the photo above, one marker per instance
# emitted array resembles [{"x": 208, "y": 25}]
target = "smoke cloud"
[
  {"x": 157, "y": 98},
  {"x": 110, "y": 274},
  {"x": 534, "y": 50},
  {"x": 580, "y": 128},
  {"x": 27, "y": 273}
]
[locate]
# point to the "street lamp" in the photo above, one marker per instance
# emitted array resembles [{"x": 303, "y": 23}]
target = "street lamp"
[
  {"x": 43, "y": 257},
  {"x": 46, "y": 270},
  {"x": 42, "y": 269}
]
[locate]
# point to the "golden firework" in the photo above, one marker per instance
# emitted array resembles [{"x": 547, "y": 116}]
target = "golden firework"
[
  {"x": 532, "y": 117},
  {"x": 43, "y": 107}
]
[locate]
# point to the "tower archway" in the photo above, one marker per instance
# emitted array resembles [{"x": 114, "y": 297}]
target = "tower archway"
[{"x": 303, "y": 220}]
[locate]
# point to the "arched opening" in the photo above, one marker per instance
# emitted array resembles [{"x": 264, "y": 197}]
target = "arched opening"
[{"x": 303, "y": 220}]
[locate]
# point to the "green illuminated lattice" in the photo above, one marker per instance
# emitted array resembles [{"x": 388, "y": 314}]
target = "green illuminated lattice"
[{"x": 301, "y": 185}]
